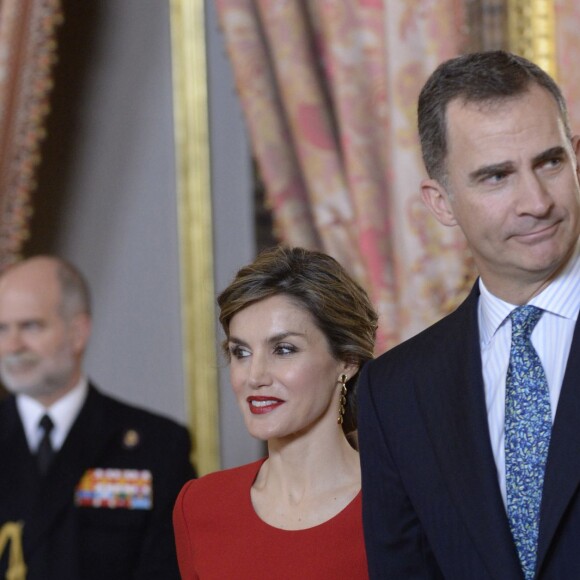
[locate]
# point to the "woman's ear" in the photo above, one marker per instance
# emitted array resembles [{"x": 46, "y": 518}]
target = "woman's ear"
[{"x": 350, "y": 369}]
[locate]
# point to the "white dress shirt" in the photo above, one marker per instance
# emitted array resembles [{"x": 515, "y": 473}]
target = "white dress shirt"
[
  {"x": 551, "y": 338},
  {"x": 63, "y": 414}
]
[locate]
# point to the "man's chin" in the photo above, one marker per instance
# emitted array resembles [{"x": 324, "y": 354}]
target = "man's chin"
[{"x": 18, "y": 386}]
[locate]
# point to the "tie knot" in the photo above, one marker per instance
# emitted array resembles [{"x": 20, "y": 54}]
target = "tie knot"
[
  {"x": 46, "y": 424},
  {"x": 524, "y": 320}
]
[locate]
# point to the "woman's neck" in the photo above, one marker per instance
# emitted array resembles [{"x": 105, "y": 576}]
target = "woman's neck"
[{"x": 305, "y": 481}]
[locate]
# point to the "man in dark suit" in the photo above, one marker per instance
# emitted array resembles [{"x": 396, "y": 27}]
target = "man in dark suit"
[
  {"x": 470, "y": 431},
  {"x": 87, "y": 483}
]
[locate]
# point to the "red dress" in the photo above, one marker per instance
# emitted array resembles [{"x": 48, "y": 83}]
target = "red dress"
[{"x": 219, "y": 536}]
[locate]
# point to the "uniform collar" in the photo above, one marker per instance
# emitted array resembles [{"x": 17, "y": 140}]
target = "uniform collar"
[{"x": 63, "y": 414}]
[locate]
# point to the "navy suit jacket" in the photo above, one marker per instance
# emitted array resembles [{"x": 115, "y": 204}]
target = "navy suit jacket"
[
  {"x": 65, "y": 542},
  {"x": 432, "y": 506}
]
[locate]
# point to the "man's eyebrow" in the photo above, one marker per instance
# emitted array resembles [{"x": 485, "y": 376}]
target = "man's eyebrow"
[
  {"x": 508, "y": 166},
  {"x": 490, "y": 170},
  {"x": 558, "y": 152}
]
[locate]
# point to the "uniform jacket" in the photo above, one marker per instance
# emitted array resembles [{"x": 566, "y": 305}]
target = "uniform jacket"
[
  {"x": 432, "y": 506},
  {"x": 66, "y": 541}
]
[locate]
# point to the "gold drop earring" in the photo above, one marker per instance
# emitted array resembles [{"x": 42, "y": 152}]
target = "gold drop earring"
[{"x": 342, "y": 402}]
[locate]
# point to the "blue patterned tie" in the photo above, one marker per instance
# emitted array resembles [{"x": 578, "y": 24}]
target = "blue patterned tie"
[{"x": 528, "y": 423}]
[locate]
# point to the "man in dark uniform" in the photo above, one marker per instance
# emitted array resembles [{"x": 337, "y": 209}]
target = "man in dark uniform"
[{"x": 87, "y": 483}]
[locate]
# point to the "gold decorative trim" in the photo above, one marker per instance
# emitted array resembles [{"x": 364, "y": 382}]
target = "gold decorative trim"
[
  {"x": 532, "y": 32},
  {"x": 195, "y": 228}
]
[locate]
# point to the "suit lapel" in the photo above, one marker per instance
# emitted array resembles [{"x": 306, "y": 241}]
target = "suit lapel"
[
  {"x": 563, "y": 467},
  {"x": 81, "y": 450},
  {"x": 452, "y": 401}
]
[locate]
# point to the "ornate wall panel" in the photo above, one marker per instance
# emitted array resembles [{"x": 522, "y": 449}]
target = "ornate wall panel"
[
  {"x": 193, "y": 177},
  {"x": 531, "y": 32}
]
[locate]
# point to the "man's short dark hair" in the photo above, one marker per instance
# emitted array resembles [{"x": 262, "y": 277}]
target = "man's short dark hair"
[{"x": 474, "y": 78}]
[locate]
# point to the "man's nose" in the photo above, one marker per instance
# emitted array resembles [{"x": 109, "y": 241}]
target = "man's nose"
[{"x": 535, "y": 198}]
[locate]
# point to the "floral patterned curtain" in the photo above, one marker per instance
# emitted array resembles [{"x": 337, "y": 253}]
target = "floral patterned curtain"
[
  {"x": 567, "y": 51},
  {"x": 487, "y": 24},
  {"x": 27, "y": 53},
  {"x": 329, "y": 90}
]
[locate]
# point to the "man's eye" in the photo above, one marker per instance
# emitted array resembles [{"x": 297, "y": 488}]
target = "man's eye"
[
  {"x": 495, "y": 178},
  {"x": 552, "y": 163}
]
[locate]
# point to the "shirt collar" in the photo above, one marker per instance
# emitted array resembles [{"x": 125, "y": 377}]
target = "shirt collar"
[
  {"x": 63, "y": 414},
  {"x": 492, "y": 312},
  {"x": 561, "y": 297}
]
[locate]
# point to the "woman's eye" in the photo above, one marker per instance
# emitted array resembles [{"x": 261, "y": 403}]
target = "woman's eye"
[
  {"x": 285, "y": 349},
  {"x": 239, "y": 352}
]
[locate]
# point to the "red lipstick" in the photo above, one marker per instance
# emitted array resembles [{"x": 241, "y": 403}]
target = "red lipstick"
[{"x": 263, "y": 405}]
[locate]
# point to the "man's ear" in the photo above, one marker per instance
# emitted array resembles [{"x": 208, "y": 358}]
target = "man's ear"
[
  {"x": 576, "y": 149},
  {"x": 80, "y": 328},
  {"x": 436, "y": 198}
]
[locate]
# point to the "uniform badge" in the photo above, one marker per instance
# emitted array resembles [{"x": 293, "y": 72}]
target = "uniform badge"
[
  {"x": 115, "y": 489},
  {"x": 131, "y": 439}
]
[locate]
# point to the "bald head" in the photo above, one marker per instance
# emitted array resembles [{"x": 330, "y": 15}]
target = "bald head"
[
  {"x": 44, "y": 327},
  {"x": 66, "y": 279}
]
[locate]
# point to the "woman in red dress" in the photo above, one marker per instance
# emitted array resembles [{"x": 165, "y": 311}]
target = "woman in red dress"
[{"x": 298, "y": 329}]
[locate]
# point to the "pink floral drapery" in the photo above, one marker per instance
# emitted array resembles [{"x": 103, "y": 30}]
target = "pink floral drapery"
[
  {"x": 329, "y": 91},
  {"x": 27, "y": 52},
  {"x": 567, "y": 51}
]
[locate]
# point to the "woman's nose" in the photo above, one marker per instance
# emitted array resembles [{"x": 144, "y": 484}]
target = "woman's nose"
[{"x": 259, "y": 375}]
